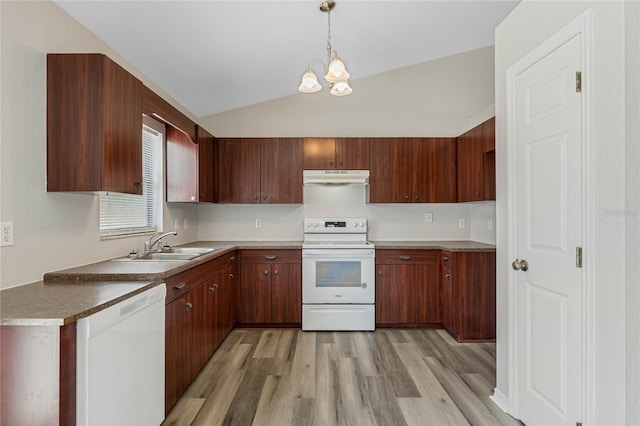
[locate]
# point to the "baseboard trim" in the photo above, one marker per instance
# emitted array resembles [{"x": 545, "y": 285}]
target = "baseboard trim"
[{"x": 500, "y": 400}]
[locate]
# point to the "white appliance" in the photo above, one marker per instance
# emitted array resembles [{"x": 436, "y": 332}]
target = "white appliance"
[
  {"x": 120, "y": 362},
  {"x": 338, "y": 275},
  {"x": 335, "y": 177}
]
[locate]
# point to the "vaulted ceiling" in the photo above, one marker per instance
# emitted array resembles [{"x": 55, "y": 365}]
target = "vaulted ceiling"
[{"x": 215, "y": 56}]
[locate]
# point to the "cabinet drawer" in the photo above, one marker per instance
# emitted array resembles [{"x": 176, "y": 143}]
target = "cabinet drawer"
[
  {"x": 225, "y": 261},
  {"x": 446, "y": 262},
  {"x": 272, "y": 256},
  {"x": 182, "y": 283},
  {"x": 394, "y": 257}
]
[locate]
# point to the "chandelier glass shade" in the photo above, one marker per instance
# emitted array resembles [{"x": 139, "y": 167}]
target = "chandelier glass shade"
[{"x": 336, "y": 74}]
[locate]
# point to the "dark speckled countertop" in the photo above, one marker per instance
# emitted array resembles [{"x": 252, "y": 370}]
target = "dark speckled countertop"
[{"x": 67, "y": 295}]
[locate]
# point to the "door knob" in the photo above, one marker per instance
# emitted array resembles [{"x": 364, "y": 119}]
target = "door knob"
[{"x": 520, "y": 265}]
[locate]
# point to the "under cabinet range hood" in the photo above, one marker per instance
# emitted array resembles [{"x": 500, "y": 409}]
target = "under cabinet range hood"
[{"x": 335, "y": 177}]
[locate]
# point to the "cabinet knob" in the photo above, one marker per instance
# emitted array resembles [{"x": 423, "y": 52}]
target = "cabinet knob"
[
  {"x": 445, "y": 259},
  {"x": 479, "y": 194},
  {"x": 189, "y": 305},
  {"x": 230, "y": 276},
  {"x": 275, "y": 272},
  {"x": 406, "y": 197},
  {"x": 266, "y": 272},
  {"x": 213, "y": 288},
  {"x": 331, "y": 163},
  {"x": 256, "y": 197},
  {"x": 448, "y": 276},
  {"x": 271, "y": 257},
  {"x": 232, "y": 259},
  {"x": 137, "y": 184},
  {"x": 380, "y": 273},
  {"x": 417, "y": 197},
  {"x": 202, "y": 195},
  {"x": 265, "y": 197}
]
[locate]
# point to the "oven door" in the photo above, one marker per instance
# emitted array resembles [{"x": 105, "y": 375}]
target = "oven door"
[{"x": 338, "y": 276}]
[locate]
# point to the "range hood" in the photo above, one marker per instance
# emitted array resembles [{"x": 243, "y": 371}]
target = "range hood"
[{"x": 335, "y": 177}]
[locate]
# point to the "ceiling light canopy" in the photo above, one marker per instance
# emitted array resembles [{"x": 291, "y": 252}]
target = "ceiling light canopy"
[{"x": 336, "y": 74}]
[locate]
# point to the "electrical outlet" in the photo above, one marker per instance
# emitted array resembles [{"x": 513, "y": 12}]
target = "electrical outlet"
[
  {"x": 186, "y": 223},
  {"x": 7, "y": 234},
  {"x": 258, "y": 223},
  {"x": 428, "y": 217},
  {"x": 176, "y": 224},
  {"x": 461, "y": 223},
  {"x": 490, "y": 224}
]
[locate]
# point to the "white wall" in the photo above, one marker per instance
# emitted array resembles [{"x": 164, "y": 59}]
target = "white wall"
[
  {"x": 51, "y": 230},
  {"x": 632, "y": 210},
  {"x": 526, "y": 27},
  {"x": 390, "y": 222}
]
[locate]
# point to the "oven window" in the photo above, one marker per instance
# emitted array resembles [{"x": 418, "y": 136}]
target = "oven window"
[{"x": 338, "y": 274}]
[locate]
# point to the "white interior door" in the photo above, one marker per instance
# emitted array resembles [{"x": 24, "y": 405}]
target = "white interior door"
[{"x": 548, "y": 144}]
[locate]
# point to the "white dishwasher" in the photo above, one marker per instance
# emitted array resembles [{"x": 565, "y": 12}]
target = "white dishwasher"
[{"x": 120, "y": 363}]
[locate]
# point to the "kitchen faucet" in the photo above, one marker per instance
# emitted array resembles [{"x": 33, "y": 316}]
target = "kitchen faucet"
[{"x": 156, "y": 239}]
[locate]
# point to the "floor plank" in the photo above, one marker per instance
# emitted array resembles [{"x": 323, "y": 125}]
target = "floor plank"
[{"x": 391, "y": 377}]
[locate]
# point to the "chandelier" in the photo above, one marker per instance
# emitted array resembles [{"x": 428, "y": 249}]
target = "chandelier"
[{"x": 336, "y": 74}]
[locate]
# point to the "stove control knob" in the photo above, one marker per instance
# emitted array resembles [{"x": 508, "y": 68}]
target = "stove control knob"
[
  {"x": 315, "y": 225},
  {"x": 361, "y": 224},
  {"x": 355, "y": 224}
]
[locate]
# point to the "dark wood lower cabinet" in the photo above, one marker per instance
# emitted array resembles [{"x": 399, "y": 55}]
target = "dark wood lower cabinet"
[
  {"x": 407, "y": 290},
  {"x": 38, "y": 371},
  {"x": 199, "y": 315},
  {"x": 270, "y": 287},
  {"x": 469, "y": 295}
]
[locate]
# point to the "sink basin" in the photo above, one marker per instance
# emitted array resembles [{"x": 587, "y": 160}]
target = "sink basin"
[{"x": 179, "y": 254}]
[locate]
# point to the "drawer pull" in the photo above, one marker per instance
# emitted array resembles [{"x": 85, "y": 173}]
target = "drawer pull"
[
  {"x": 445, "y": 259},
  {"x": 266, "y": 272},
  {"x": 179, "y": 286},
  {"x": 189, "y": 305},
  {"x": 232, "y": 259},
  {"x": 275, "y": 272},
  {"x": 213, "y": 288},
  {"x": 405, "y": 257},
  {"x": 271, "y": 257}
]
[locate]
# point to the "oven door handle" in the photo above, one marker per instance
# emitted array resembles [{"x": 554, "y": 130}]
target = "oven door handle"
[{"x": 338, "y": 252}]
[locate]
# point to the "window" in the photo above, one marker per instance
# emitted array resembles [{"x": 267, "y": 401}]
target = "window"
[{"x": 129, "y": 214}]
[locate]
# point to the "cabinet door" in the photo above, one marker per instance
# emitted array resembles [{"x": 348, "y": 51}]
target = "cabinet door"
[
  {"x": 281, "y": 170},
  {"x": 239, "y": 170},
  {"x": 318, "y": 154},
  {"x": 390, "y": 170},
  {"x": 286, "y": 293},
  {"x": 207, "y": 166},
  {"x": 489, "y": 158},
  {"x": 200, "y": 336},
  {"x": 470, "y": 167},
  {"x": 122, "y": 107},
  {"x": 448, "y": 307},
  {"x": 475, "y": 277},
  {"x": 177, "y": 350},
  {"x": 182, "y": 167},
  {"x": 393, "y": 294},
  {"x": 94, "y": 125},
  {"x": 434, "y": 170},
  {"x": 255, "y": 293},
  {"x": 352, "y": 153}
]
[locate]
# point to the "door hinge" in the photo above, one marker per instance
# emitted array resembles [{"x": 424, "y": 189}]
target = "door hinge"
[
  {"x": 578, "y": 257},
  {"x": 578, "y": 81}
]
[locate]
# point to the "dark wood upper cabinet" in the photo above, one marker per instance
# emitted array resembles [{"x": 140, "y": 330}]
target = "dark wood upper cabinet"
[
  {"x": 182, "y": 167},
  {"x": 335, "y": 153},
  {"x": 413, "y": 170},
  {"x": 434, "y": 170},
  {"x": 153, "y": 105},
  {"x": 255, "y": 170},
  {"x": 94, "y": 125},
  {"x": 239, "y": 170},
  {"x": 476, "y": 163},
  {"x": 390, "y": 171},
  {"x": 207, "y": 166},
  {"x": 281, "y": 171}
]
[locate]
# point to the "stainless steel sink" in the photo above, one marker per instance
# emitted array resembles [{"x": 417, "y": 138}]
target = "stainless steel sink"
[{"x": 178, "y": 254}]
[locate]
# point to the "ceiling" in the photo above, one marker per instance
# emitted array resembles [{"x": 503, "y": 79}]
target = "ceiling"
[{"x": 215, "y": 56}]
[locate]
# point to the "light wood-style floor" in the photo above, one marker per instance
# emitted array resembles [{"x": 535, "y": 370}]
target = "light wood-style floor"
[{"x": 387, "y": 377}]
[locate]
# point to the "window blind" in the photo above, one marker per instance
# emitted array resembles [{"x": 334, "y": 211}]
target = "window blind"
[{"x": 126, "y": 214}]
